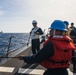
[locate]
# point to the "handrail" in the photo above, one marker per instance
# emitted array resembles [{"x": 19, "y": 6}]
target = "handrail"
[
  {"x": 8, "y": 46},
  {"x": 9, "y": 43}
]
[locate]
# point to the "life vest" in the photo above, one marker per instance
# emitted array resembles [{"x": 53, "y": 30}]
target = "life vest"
[
  {"x": 33, "y": 35},
  {"x": 62, "y": 53}
]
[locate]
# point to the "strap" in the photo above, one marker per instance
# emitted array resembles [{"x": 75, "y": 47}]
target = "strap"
[{"x": 56, "y": 62}]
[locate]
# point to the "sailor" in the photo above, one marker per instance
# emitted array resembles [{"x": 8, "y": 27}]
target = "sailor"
[
  {"x": 35, "y": 37},
  {"x": 73, "y": 36},
  {"x": 72, "y": 26},
  {"x": 73, "y": 32},
  {"x": 69, "y": 30},
  {"x": 56, "y": 52}
]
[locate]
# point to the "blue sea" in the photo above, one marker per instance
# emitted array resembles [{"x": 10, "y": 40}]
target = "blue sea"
[{"x": 17, "y": 40}]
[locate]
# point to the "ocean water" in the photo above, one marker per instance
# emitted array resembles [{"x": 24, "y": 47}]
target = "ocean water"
[{"x": 16, "y": 41}]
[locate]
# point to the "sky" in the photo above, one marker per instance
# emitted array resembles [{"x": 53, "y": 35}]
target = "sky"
[{"x": 16, "y": 16}]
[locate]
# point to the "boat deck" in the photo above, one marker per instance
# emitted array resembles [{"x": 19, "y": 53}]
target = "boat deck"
[{"x": 17, "y": 67}]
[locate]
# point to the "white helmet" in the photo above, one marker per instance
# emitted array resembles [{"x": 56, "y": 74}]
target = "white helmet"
[{"x": 34, "y": 21}]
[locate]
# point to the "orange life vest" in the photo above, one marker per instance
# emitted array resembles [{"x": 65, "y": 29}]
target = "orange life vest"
[{"x": 62, "y": 53}]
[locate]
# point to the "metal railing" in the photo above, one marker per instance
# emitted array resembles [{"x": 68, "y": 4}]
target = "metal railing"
[{"x": 4, "y": 53}]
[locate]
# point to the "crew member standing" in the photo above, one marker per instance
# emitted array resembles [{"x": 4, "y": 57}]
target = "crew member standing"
[
  {"x": 67, "y": 24},
  {"x": 35, "y": 37},
  {"x": 73, "y": 36},
  {"x": 72, "y": 26},
  {"x": 56, "y": 52}
]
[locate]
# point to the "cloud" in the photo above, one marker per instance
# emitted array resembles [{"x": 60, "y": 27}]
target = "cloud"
[
  {"x": 2, "y": 13},
  {"x": 22, "y": 12}
]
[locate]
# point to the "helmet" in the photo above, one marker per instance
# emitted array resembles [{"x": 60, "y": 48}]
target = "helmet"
[
  {"x": 72, "y": 23},
  {"x": 58, "y": 25},
  {"x": 34, "y": 22},
  {"x": 66, "y": 22}
]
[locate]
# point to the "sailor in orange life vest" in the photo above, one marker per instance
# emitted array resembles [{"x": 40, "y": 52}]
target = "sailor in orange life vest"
[{"x": 56, "y": 52}]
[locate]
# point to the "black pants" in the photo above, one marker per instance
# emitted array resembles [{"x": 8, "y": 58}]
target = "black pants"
[
  {"x": 56, "y": 72},
  {"x": 35, "y": 45}
]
